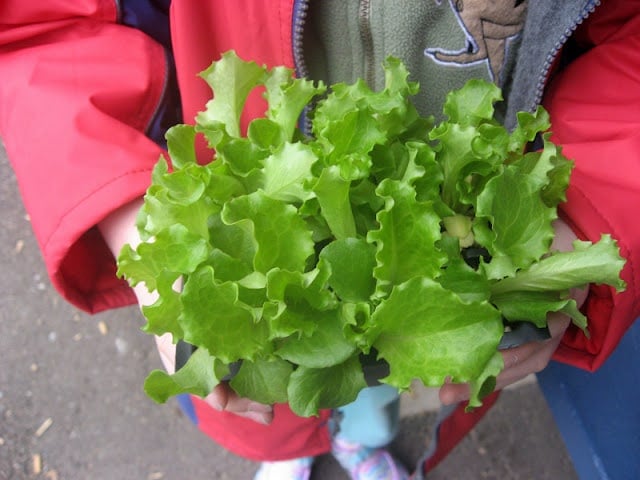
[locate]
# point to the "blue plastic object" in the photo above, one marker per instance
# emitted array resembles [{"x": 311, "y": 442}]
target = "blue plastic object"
[
  {"x": 186, "y": 405},
  {"x": 598, "y": 414}
]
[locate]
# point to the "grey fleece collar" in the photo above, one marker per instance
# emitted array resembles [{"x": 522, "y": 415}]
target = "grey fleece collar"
[{"x": 548, "y": 25}]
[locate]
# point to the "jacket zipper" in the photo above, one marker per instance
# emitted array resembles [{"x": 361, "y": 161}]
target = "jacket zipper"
[
  {"x": 366, "y": 37},
  {"x": 118, "y": 10},
  {"x": 161, "y": 100},
  {"x": 553, "y": 54},
  {"x": 300, "y": 10}
]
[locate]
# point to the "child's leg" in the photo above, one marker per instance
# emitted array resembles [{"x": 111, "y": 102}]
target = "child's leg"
[
  {"x": 372, "y": 419},
  {"x": 362, "y": 429}
]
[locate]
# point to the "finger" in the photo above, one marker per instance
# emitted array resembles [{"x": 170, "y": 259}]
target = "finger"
[
  {"x": 558, "y": 324},
  {"x": 167, "y": 350},
  {"x": 516, "y": 359},
  {"x": 451, "y": 393},
  {"x": 515, "y": 365},
  {"x": 457, "y": 392},
  {"x": 223, "y": 398},
  {"x": 519, "y": 362},
  {"x": 533, "y": 357}
]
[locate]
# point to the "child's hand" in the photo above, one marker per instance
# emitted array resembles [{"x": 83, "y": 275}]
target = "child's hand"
[
  {"x": 223, "y": 398},
  {"x": 519, "y": 362},
  {"x": 531, "y": 357},
  {"x": 119, "y": 228}
]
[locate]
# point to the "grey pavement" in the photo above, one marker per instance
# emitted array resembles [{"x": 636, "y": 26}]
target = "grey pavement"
[{"x": 72, "y": 405}]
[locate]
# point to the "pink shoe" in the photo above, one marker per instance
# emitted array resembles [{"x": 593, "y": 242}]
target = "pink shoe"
[
  {"x": 364, "y": 463},
  {"x": 296, "y": 469}
]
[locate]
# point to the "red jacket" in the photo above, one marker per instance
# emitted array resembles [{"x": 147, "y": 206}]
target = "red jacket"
[{"x": 80, "y": 89}]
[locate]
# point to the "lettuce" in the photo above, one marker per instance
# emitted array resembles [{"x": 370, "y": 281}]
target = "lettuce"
[{"x": 309, "y": 259}]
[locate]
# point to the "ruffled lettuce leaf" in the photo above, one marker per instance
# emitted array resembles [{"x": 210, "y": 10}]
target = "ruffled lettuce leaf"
[{"x": 301, "y": 257}]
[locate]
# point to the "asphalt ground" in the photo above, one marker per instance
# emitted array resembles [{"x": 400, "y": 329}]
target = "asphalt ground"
[{"x": 72, "y": 405}]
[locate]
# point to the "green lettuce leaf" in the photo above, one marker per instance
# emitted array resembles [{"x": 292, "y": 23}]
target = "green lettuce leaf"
[
  {"x": 426, "y": 332},
  {"x": 380, "y": 236},
  {"x": 264, "y": 381},
  {"x": 521, "y": 223},
  {"x": 197, "y": 376},
  {"x": 351, "y": 262},
  {"x": 213, "y": 317},
  {"x": 407, "y": 238},
  {"x": 231, "y": 80},
  {"x": 281, "y": 237},
  {"x": 313, "y": 389}
]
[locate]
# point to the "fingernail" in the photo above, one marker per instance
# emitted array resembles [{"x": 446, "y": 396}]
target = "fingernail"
[
  {"x": 216, "y": 405},
  {"x": 259, "y": 407},
  {"x": 258, "y": 417},
  {"x": 265, "y": 419}
]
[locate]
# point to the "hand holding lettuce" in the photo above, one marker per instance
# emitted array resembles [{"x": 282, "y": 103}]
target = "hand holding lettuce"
[{"x": 302, "y": 256}]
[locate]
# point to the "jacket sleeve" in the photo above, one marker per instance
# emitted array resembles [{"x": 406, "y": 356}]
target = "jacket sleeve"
[
  {"x": 594, "y": 105},
  {"x": 78, "y": 92}
]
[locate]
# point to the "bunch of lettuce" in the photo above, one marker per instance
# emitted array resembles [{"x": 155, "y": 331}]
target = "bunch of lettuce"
[{"x": 304, "y": 256}]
